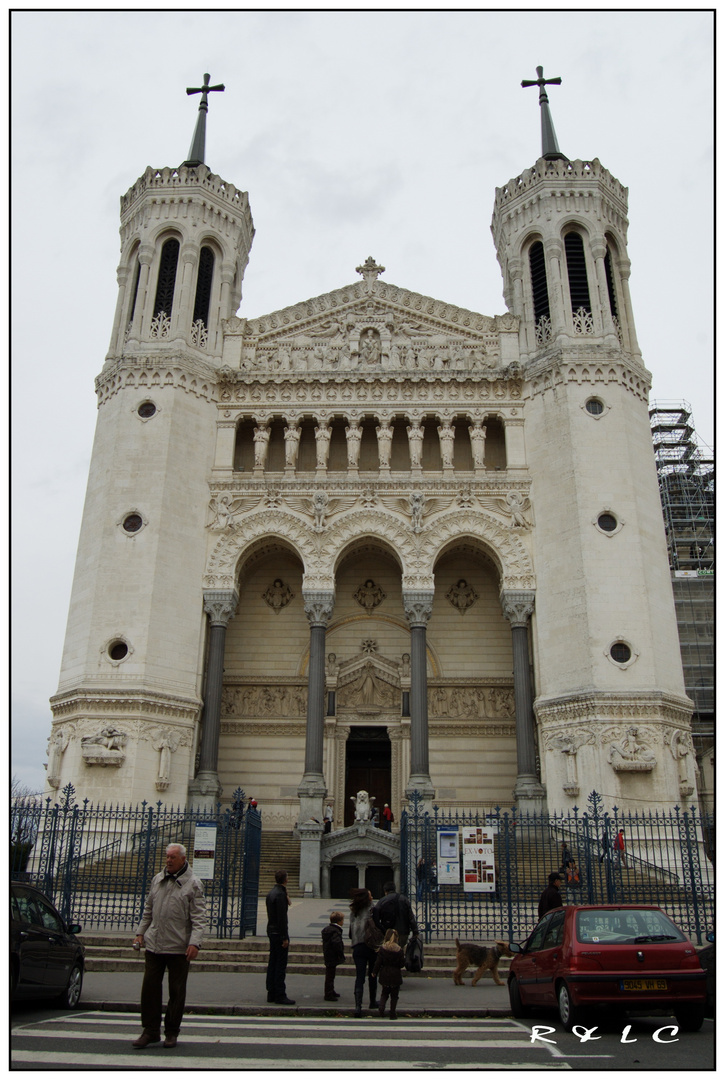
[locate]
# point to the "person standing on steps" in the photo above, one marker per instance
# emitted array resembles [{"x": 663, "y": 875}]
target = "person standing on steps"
[
  {"x": 171, "y": 930},
  {"x": 361, "y": 907},
  {"x": 278, "y": 933},
  {"x": 333, "y": 952},
  {"x": 394, "y": 912}
]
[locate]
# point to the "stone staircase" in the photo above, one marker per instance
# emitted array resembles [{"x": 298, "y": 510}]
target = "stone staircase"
[
  {"x": 112, "y": 952},
  {"x": 279, "y": 851}
]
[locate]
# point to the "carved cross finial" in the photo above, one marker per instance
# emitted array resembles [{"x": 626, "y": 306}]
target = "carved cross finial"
[
  {"x": 370, "y": 271},
  {"x": 549, "y": 146},
  {"x": 204, "y": 90}
]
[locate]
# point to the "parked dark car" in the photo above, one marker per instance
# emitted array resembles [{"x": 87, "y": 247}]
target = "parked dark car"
[
  {"x": 627, "y": 957},
  {"x": 46, "y": 958}
]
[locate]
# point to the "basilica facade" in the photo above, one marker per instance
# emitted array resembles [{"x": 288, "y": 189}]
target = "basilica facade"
[{"x": 373, "y": 541}]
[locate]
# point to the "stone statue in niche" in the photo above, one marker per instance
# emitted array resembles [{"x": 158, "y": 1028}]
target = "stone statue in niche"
[
  {"x": 354, "y": 439},
  {"x": 277, "y": 595},
  {"x": 261, "y": 445},
  {"x": 323, "y": 434},
  {"x": 385, "y": 442},
  {"x": 568, "y": 743},
  {"x": 681, "y": 748},
  {"x": 478, "y": 444},
  {"x": 630, "y": 755},
  {"x": 363, "y": 807},
  {"x": 57, "y": 745},
  {"x": 291, "y": 445},
  {"x": 167, "y": 743},
  {"x": 462, "y": 596},
  {"x": 415, "y": 443},
  {"x": 369, "y": 596},
  {"x": 446, "y": 436},
  {"x": 370, "y": 351},
  {"x": 105, "y": 748}
]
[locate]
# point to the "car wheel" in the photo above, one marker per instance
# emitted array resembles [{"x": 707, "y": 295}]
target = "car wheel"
[
  {"x": 72, "y": 993},
  {"x": 569, "y": 1013},
  {"x": 690, "y": 1017},
  {"x": 519, "y": 1010}
]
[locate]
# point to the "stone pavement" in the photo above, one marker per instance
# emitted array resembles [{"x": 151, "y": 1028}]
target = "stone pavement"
[{"x": 238, "y": 993}]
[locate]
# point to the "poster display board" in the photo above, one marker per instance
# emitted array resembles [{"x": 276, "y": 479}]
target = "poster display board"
[
  {"x": 479, "y": 867},
  {"x": 204, "y": 849},
  {"x": 448, "y": 857}
]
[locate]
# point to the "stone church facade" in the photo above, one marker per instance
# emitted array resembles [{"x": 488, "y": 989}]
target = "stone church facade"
[{"x": 373, "y": 540}]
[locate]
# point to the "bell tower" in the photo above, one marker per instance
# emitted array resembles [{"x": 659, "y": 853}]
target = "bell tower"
[
  {"x": 132, "y": 673},
  {"x": 604, "y": 632}
]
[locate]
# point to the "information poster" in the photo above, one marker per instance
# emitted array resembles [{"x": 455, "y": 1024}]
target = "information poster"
[
  {"x": 449, "y": 860},
  {"x": 479, "y": 867},
  {"x": 204, "y": 849}
]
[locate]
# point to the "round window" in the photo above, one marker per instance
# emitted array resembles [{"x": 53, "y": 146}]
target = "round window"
[
  {"x": 146, "y": 409},
  {"x": 133, "y": 523},
  {"x": 595, "y": 407},
  {"x": 607, "y": 522},
  {"x": 620, "y": 652},
  {"x": 118, "y": 650}
]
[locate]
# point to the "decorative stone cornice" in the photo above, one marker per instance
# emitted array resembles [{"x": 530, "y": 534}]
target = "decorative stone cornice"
[
  {"x": 518, "y": 607},
  {"x": 613, "y": 707},
  {"x": 271, "y": 727},
  {"x": 220, "y": 605},
  {"x": 478, "y": 729},
  {"x": 418, "y": 607},
  {"x": 141, "y": 704},
  {"x": 318, "y": 606},
  {"x": 587, "y": 365},
  {"x": 148, "y": 373}
]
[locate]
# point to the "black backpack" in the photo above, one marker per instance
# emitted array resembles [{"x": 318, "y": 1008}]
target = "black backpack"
[{"x": 414, "y": 955}]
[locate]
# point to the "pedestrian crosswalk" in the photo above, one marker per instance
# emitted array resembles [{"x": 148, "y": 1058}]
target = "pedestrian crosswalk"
[{"x": 102, "y": 1040}]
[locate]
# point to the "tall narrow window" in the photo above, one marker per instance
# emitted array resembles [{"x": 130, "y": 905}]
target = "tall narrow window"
[
  {"x": 612, "y": 294},
  {"x": 136, "y": 276},
  {"x": 540, "y": 293},
  {"x": 203, "y": 286},
  {"x": 581, "y": 308},
  {"x": 167, "y": 277}
]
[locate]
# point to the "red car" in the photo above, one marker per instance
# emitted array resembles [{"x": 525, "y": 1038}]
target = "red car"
[{"x": 625, "y": 957}]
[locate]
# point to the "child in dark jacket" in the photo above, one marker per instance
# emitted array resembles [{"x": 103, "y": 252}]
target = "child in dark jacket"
[
  {"x": 389, "y": 970},
  {"x": 333, "y": 952}
]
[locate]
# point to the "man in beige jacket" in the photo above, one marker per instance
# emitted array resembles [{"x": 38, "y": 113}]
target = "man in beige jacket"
[{"x": 171, "y": 929}]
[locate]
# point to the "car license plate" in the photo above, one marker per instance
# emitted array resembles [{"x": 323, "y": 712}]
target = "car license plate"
[{"x": 643, "y": 984}]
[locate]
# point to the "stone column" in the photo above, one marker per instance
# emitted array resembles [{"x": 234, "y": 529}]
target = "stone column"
[
  {"x": 625, "y": 268},
  {"x": 205, "y": 789},
  {"x": 312, "y": 789},
  {"x": 555, "y": 271},
  {"x": 528, "y": 792},
  {"x": 418, "y": 607},
  {"x": 603, "y": 315},
  {"x": 141, "y": 321}
]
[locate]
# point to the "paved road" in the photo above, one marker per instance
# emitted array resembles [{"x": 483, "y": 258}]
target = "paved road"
[{"x": 102, "y": 1040}]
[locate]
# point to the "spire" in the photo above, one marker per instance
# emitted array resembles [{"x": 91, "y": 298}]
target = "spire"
[
  {"x": 549, "y": 146},
  {"x": 198, "y": 143}
]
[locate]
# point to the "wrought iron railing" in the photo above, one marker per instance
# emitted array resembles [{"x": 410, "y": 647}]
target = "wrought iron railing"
[
  {"x": 96, "y": 862},
  {"x": 667, "y": 861}
]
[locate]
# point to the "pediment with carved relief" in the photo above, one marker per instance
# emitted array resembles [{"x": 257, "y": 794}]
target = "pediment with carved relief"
[{"x": 369, "y": 327}]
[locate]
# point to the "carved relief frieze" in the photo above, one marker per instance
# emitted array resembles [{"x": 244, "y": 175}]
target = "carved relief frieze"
[
  {"x": 266, "y": 700},
  {"x": 471, "y": 701},
  {"x": 280, "y": 729},
  {"x": 440, "y": 729},
  {"x": 628, "y": 749},
  {"x": 105, "y": 747}
]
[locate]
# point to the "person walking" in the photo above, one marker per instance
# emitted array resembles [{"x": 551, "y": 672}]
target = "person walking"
[
  {"x": 278, "y": 902},
  {"x": 619, "y": 857},
  {"x": 364, "y": 956},
  {"x": 389, "y": 969},
  {"x": 551, "y": 896},
  {"x": 604, "y": 849},
  {"x": 420, "y": 878},
  {"x": 333, "y": 952},
  {"x": 328, "y": 817},
  {"x": 171, "y": 930},
  {"x": 388, "y": 818},
  {"x": 394, "y": 912}
]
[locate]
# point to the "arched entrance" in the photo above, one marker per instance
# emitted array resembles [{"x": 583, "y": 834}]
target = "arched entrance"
[{"x": 367, "y": 767}]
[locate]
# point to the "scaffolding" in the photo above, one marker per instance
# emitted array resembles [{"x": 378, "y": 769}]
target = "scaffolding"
[{"x": 685, "y": 471}]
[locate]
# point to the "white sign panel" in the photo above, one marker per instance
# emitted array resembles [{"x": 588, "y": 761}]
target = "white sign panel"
[
  {"x": 479, "y": 867},
  {"x": 204, "y": 849},
  {"x": 449, "y": 865}
]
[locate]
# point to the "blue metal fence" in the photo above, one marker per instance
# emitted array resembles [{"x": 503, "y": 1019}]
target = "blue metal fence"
[
  {"x": 96, "y": 862},
  {"x": 668, "y": 861}
]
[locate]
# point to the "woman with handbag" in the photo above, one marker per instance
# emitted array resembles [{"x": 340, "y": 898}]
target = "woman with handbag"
[{"x": 363, "y": 935}]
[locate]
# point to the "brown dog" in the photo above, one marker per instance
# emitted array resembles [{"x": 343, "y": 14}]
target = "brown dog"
[{"x": 482, "y": 957}]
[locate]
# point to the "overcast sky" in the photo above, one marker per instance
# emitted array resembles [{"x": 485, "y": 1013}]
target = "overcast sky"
[{"x": 355, "y": 134}]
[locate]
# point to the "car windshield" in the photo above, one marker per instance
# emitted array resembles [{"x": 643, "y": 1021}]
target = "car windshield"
[{"x": 625, "y": 927}]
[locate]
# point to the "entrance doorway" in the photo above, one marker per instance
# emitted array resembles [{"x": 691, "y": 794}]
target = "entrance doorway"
[
  {"x": 375, "y": 878},
  {"x": 367, "y": 768}
]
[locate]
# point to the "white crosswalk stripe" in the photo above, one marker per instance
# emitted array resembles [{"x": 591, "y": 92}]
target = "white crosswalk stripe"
[{"x": 99, "y": 1039}]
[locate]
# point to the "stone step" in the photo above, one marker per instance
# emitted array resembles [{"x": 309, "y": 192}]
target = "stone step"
[{"x": 259, "y": 967}]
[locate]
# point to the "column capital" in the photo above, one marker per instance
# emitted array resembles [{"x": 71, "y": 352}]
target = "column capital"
[
  {"x": 418, "y": 607},
  {"x": 220, "y": 605},
  {"x": 518, "y": 606},
  {"x": 318, "y": 606}
]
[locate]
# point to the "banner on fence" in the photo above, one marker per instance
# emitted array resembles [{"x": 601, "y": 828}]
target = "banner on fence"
[
  {"x": 449, "y": 858},
  {"x": 204, "y": 849},
  {"x": 479, "y": 867}
]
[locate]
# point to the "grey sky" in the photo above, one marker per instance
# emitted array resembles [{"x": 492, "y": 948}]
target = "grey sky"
[{"x": 355, "y": 134}]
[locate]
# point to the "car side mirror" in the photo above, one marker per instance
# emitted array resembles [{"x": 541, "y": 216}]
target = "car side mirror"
[
  {"x": 515, "y": 947},
  {"x": 75, "y": 929}
]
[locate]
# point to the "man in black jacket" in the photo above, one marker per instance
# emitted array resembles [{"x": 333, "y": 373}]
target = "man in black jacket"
[
  {"x": 394, "y": 912},
  {"x": 278, "y": 934},
  {"x": 551, "y": 896}
]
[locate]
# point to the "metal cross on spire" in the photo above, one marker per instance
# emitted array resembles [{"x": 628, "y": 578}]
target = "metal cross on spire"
[
  {"x": 198, "y": 143},
  {"x": 549, "y": 146}
]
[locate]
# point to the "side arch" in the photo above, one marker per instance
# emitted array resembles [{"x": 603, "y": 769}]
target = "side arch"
[
  {"x": 501, "y": 544},
  {"x": 240, "y": 541}
]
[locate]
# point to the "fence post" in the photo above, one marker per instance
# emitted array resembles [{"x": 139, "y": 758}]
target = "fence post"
[
  {"x": 509, "y": 896},
  {"x": 145, "y": 857},
  {"x": 690, "y": 870}
]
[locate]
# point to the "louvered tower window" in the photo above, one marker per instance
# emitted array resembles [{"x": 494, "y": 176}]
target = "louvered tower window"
[
  {"x": 540, "y": 292},
  {"x": 581, "y": 307},
  {"x": 136, "y": 277},
  {"x": 610, "y": 284},
  {"x": 203, "y": 286},
  {"x": 167, "y": 277}
]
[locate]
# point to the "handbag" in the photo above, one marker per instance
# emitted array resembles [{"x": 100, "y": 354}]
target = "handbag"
[
  {"x": 373, "y": 935},
  {"x": 414, "y": 955}
]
